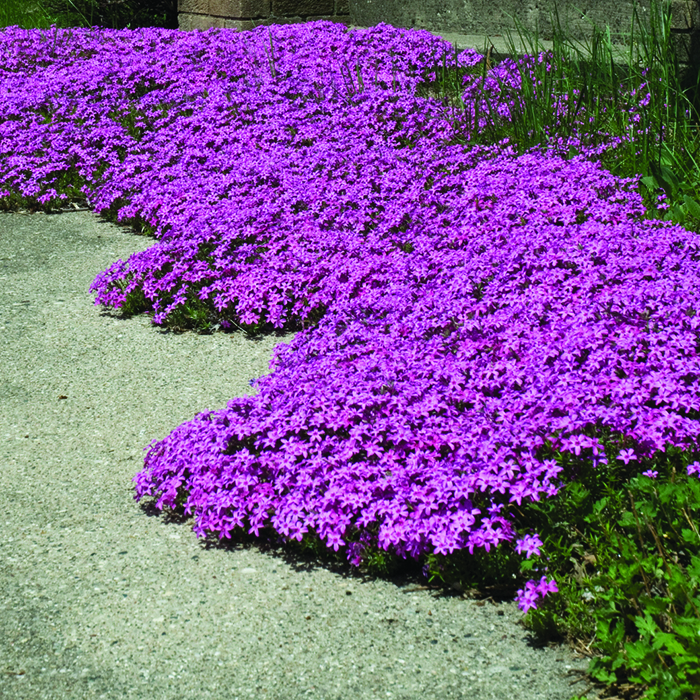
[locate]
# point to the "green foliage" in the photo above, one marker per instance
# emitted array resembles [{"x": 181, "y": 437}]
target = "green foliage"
[
  {"x": 661, "y": 144},
  {"x": 678, "y": 182},
  {"x": 114, "y": 14},
  {"x": 28, "y": 15},
  {"x": 67, "y": 182},
  {"x": 648, "y": 617},
  {"x": 376, "y": 563},
  {"x": 137, "y": 223},
  {"x": 625, "y": 549},
  {"x": 495, "y": 573},
  {"x": 194, "y": 314},
  {"x": 135, "y": 303}
]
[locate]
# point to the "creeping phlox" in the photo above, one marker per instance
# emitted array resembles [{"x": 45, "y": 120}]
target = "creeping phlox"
[
  {"x": 527, "y": 597},
  {"x": 469, "y": 315}
]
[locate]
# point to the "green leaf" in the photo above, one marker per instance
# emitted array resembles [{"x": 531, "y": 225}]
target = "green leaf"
[
  {"x": 670, "y": 177},
  {"x": 694, "y": 567},
  {"x": 527, "y": 564},
  {"x": 637, "y": 652},
  {"x": 646, "y": 625},
  {"x": 675, "y": 213},
  {"x": 668, "y": 642},
  {"x": 688, "y": 628},
  {"x": 655, "y": 606},
  {"x": 597, "y": 669},
  {"x": 692, "y": 207},
  {"x": 650, "y": 183}
]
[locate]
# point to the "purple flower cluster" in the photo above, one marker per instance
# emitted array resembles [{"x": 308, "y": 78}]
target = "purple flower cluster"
[
  {"x": 528, "y": 597},
  {"x": 428, "y": 401},
  {"x": 468, "y": 314},
  {"x": 529, "y": 545}
]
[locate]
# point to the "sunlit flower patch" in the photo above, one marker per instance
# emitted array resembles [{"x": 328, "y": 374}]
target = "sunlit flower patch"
[{"x": 468, "y": 315}]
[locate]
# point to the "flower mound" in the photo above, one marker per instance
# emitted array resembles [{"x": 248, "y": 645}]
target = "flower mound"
[
  {"x": 436, "y": 396},
  {"x": 468, "y": 314}
]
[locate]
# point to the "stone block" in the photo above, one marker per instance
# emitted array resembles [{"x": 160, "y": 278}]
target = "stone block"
[
  {"x": 685, "y": 15},
  {"x": 197, "y": 7},
  {"x": 302, "y": 8},
  {"x": 342, "y": 7},
  {"x": 188, "y": 22},
  {"x": 316, "y": 18},
  {"x": 687, "y": 47},
  {"x": 338, "y": 19},
  {"x": 239, "y": 9},
  {"x": 279, "y": 20},
  {"x": 242, "y": 25}
]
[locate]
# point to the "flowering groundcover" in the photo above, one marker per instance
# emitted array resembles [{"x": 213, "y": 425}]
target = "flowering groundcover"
[{"x": 467, "y": 315}]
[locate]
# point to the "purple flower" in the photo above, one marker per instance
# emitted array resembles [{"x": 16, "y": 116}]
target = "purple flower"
[
  {"x": 544, "y": 587},
  {"x": 529, "y": 544},
  {"x": 652, "y": 474},
  {"x": 528, "y": 596},
  {"x": 627, "y": 455},
  {"x": 463, "y": 307},
  {"x": 694, "y": 468}
]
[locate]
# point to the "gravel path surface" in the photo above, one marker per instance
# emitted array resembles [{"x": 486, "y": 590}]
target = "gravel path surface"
[{"x": 99, "y": 600}]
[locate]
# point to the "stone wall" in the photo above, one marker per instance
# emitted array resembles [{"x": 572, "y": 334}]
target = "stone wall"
[
  {"x": 246, "y": 14},
  {"x": 475, "y": 18},
  {"x": 495, "y": 17}
]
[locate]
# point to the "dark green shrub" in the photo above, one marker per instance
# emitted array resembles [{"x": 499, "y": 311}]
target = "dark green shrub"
[{"x": 114, "y": 14}]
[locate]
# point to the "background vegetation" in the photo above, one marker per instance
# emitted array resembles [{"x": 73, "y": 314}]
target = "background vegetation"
[{"x": 115, "y": 14}]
